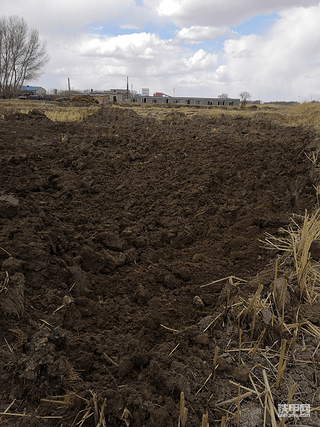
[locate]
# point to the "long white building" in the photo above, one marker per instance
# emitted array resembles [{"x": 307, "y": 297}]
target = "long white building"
[{"x": 182, "y": 100}]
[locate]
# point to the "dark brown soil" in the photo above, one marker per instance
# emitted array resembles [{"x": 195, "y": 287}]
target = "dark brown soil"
[{"x": 108, "y": 230}]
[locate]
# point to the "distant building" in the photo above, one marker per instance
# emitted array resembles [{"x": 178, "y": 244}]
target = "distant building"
[
  {"x": 161, "y": 98},
  {"x": 122, "y": 95},
  {"x": 112, "y": 95},
  {"x": 32, "y": 91}
]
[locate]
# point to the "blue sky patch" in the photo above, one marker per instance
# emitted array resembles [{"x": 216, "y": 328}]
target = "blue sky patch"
[
  {"x": 257, "y": 25},
  {"x": 114, "y": 29}
]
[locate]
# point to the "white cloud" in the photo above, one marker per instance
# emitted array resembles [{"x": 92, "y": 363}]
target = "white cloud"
[
  {"x": 148, "y": 60},
  {"x": 130, "y": 46},
  {"x": 197, "y": 34},
  {"x": 285, "y": 63},
  {"x": 63, "y": 16},
  {"x": 219, "y": 12},
  {"x": 201, "y": 60}
]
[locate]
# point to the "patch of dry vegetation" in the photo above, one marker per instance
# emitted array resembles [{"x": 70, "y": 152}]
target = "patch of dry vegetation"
[
  {"x": 54, "y": 112},
  {"x": 70, "y": 114},
  {"x": 307, "y": 114},
  {"x": 161, "y": 111}
]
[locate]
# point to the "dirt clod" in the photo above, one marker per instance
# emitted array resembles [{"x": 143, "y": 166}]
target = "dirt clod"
[{"x": 241, "y": 373}]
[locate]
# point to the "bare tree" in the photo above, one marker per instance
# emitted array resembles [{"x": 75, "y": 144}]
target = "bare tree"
[
  {"x": 245, "y": 96},
  {"x": 223, "y": 96},
  {"x": 22, "y": 55}
]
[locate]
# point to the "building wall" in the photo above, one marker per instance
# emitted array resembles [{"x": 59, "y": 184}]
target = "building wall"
[
  {"x": 110, "y": 96},
  {"x": 40, "y": 91},
  {"x": 184, "y": 100}
]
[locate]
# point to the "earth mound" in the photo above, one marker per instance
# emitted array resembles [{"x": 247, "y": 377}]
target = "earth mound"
[{"x": 84, "y": 99}]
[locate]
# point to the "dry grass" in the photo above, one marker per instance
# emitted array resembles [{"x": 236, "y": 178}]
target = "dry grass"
[
  {"x": 161, "y": 111},
  {"x": 183, "y": 412},
  {"x": 71, "y": 114},
  {"x": 306, "y": 114},
  {"x": 306, "y": 278},
  {"x": 53, "y": 111},
  {"x": 297, "y": 244}
]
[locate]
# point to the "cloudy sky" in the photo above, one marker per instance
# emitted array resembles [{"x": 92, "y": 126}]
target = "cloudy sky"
[{"x": 270, "y": 48}]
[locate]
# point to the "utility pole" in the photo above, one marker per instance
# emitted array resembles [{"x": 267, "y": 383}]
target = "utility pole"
[
  {"x": 127, "y": 87},
  {"x": 69, "y": 84}
]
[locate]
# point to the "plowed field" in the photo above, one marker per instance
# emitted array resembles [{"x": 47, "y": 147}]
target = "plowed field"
[{"x": 109, "y": 228}]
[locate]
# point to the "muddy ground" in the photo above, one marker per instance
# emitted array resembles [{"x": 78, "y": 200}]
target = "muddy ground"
[{"x": 108, "y": 230}]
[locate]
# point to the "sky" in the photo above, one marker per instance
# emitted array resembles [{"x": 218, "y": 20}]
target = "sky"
[{"x": 203, "y": 48}]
